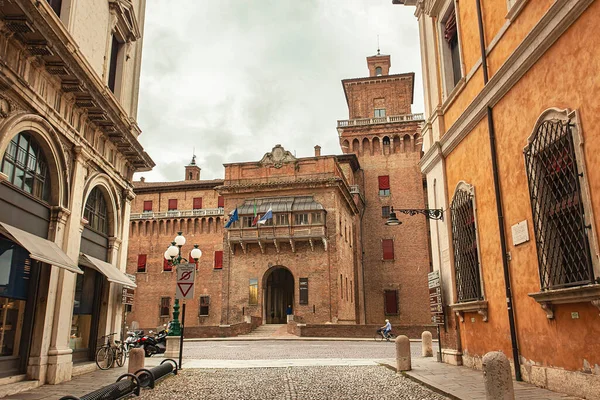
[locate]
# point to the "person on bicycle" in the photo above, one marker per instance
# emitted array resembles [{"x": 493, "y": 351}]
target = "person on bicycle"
[{"x": 387, "y": 328}]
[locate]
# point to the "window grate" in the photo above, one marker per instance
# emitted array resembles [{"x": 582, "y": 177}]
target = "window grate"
[
  {"x": 464, "y": 239},
  {"x": 558, "y": 217}
]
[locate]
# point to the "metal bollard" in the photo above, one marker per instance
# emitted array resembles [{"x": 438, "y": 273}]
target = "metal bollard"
[
  {"x": 136, "y": 360},
  {"x": 403, "y": 354},
  {"x": 427, "y": 344},
  {"x": 497, "y": 377}
]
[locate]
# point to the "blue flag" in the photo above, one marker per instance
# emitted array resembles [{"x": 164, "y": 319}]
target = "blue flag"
[
  {"x": 234, "y": 217},
  {"x": 268, "y": 215}
]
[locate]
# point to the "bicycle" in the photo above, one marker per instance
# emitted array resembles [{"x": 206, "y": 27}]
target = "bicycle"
[
  {"x": 110, "y": 353},
  {"x": 380, "y": 335}
]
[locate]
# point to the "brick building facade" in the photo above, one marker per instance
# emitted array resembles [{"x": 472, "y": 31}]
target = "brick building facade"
[{"x": 326, "y": 251}]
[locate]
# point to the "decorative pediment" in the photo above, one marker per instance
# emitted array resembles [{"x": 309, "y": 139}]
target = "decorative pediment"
[
  {"x": 277, "y": 157},
  {"x": 124, "y": 20}
]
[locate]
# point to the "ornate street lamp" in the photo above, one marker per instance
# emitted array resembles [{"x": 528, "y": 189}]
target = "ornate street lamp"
[
  {"x": 429, "y": 213},
  {"x": 173, "y": 254}
]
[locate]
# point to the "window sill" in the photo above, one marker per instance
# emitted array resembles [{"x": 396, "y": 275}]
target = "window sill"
[
  {"x": 480, "y": 307},
  {"x": 3, "y": 177},
  {"x": 141, "y": 272},
  {"x": 579, "y": 294},
  {"x": 515, "y": 10},
  {"x": 453, "y": 94}
]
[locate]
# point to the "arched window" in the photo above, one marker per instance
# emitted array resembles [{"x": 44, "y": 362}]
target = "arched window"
[
  {"x": 25, "y": 165},
  {"x": 96, "y": 211},
  {"x": 378, "y": 71}
]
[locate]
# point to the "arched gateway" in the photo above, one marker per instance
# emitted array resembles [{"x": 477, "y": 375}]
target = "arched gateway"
[{"x": 278, "y": 284}]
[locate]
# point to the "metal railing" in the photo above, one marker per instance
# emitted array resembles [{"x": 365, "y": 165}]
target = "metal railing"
[
  {"x": 276, "y": 232},
  {"x": 380, "y": 120},
  {"x": 204, "y": 212}
]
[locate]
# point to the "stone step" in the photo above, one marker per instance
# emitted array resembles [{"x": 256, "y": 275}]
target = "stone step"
[{"x": 17, "y": 387}]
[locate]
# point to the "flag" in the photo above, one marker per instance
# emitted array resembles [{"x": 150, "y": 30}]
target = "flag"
[
  {"x": 234, "y": 217},
  {"x": 264, "y": 218},
  {"x": 255, "y": 220}
]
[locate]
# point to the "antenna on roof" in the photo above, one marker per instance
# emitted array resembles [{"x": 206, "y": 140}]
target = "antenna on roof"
[
  {"x": 378, "y": 51},
  {"x": 193, "y": 156}
]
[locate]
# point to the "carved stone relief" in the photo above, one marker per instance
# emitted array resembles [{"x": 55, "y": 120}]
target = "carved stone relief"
[{"x": 277, "y": 157}]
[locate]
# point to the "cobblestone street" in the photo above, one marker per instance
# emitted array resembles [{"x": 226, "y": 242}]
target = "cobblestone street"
[{"x": 376, "y": 382}]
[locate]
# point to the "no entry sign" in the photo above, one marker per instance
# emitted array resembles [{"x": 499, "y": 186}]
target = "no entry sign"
[{"x": 186, "y": 276}]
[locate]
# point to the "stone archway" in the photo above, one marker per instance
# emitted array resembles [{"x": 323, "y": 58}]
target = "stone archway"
[{"x": 279, "y": 293}]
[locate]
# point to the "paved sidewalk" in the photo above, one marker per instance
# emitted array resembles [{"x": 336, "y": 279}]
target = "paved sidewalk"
[{"x": 466, "y": 383}]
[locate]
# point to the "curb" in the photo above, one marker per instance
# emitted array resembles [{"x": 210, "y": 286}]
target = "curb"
[{"x": 430, "y": 386}]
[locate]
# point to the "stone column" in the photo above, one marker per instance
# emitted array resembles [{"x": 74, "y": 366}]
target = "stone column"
[
  {"x": 427, "y": 344},
  {"x": 497, "y": 377},
  {"x": 403, "y": 360},
  {"x": 60, "y": 354}
]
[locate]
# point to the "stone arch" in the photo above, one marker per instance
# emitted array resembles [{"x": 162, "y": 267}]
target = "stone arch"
[
  {"x": 278, "y": 291},
  {"x": 48, "y": 139},
  {"x": 190, "y": 226},
  {"x": 406, "y": 142},
  {"x": 168, "y": 226},
  {"x": 108, "y": 189},
  {"x": 376, "y": 146},
  {"x": 387, "y": 145},
  {"x": 356, "y": 147},
  {"x": 202, "y": 225},
  {"x": 218, "y": 225},
  {"x": 161, "y": 227},
  {"x": 366, "y": 147},
  {"x": 133, "y": 229},
  {"x": 397, "y": 145},
  {"x": 345, "y": 146},
  {"x": 210, "y": 224}
]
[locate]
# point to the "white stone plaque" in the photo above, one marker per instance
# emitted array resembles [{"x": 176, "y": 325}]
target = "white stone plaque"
[{"x": 520, "y": 233}]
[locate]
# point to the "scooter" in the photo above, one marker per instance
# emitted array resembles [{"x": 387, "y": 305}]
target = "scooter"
[
  {"x": 133, "y": 338},
  {"x": 155, "y": 344}
]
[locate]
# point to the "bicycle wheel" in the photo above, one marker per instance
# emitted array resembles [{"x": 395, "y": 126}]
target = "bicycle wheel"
[
  {"x": 391, "y": 337},
  {"x": 119, "y": 355},
  {"x": 378, "y": 337},
  {"x": 104, "y": 357}
]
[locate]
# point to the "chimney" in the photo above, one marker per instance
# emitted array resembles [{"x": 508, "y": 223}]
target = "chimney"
[
  {"x": 142, "y": 179},
  {"x": 317, "y": 151}
]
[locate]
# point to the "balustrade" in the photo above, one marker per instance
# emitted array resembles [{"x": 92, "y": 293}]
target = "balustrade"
[
  {"x": 205, "y": 212},
  {"x": 380, "y": 120}
]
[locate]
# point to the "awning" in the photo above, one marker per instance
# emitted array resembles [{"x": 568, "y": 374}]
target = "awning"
[
  {"x": 39, "y": 248},
  {"x": 109, "y": 271},
  {"x": 279, "y": 204}
]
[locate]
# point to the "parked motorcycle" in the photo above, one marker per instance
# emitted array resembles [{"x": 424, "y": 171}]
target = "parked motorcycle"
[
  {"x": 132, "y": 339},
  {"x": 156, "y": 344}
]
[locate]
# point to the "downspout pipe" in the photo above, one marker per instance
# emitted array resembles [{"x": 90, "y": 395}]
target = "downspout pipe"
[{"x": 499, "y": 208}]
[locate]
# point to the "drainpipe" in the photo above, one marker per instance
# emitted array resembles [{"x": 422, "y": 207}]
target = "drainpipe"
[{"x": 499, "y": 208}]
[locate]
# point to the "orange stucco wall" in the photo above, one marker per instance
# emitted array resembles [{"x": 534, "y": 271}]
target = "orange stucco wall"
[{"x": 565, "y": 77}]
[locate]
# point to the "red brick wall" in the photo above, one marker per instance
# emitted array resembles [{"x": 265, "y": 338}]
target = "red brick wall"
[{"x": 356, "y": 331}]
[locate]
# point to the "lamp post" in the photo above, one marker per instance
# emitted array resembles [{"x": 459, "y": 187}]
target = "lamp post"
[
  {"x": 429, "y": 213},
  {"x": 173, "y": 254}
]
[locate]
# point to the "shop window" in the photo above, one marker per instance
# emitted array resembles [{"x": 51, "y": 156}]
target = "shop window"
[
  {"x": 165, "y": 307},
  {"x": 301, "y": 219},
  {"x": 219, "y": 259},
  {"x": 466, "y": 250},
  {"x": 384, "y": 185},
  {"x": 385, "y": 212},
  {"x": 172, "y": 205},
  {"x": 221, "y": 202},
  {"x": 204, "y": 304},
  {"x": 562, "y": 226},
  {"x": 25, "y": 166},
  {"x": 167, "y": 265},
  {"x": 96, "y": 211},
  {"x": 148, "y": 206},
  {"x": 253, "y": 295},
  {"x": 391, "y": 302},
  {"x": 197, "y": 203},
  {"x": 141, "y": 264},
  {"x": 387, "y": 246}
]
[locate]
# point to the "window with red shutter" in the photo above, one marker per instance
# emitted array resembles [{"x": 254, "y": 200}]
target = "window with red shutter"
[
  {"x": 167, "y": 266},
  {"x": 391, "y": 302},
  {"x": 384, "y": 185},
  {"x": 191, "y": 260},
  {"x": 141, "y": 264},
  {"x": 388, "y": 249},
  {"x": 147, "y": 205},
  {"x": 197, "y": 203},
  {"x": 221, "y": 202},
  {"x": 172, "y": 204},
  {"x": 219, "y": 259}
]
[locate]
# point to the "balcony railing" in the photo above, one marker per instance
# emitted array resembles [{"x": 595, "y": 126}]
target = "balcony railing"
[
  {"x": 277, "y": 232},
  {"x": 204, "y": 212},
  {"x": 380, "y": 120}
]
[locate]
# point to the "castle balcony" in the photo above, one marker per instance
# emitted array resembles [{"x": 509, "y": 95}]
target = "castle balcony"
[
  {"x": 380, "y": 120},
  {"x": 277, "y": 235},
  {"x": 204, "y": 212}
]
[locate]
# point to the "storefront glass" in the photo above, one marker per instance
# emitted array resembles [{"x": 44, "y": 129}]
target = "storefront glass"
[{"x": 84, "y": 310}]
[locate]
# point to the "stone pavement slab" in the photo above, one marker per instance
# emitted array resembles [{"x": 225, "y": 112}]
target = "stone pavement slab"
[
  {"x": 466, "y": 383},
  {"x": 311, "y": 362}
]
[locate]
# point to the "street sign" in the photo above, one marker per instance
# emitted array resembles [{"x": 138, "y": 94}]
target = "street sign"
[
  {"x": 186, "y": 276},
  {"x": 435, "y": 298},
  {"x": 127, "y": 296}
]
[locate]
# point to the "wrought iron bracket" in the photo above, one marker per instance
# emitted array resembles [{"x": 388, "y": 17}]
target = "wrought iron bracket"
[{"x": 430, "y": 213}]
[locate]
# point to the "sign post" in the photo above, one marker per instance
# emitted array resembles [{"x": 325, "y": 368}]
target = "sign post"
[
  {"x": 436, "y": 305},
  {"x": 186, "y": 278}
]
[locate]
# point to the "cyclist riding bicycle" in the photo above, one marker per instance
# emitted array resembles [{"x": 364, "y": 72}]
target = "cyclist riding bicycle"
[{"x": 386, "y": 329}]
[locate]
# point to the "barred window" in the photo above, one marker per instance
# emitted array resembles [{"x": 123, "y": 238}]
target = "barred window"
[
  {"x": 466, "y": 249},
  {"x": 557, "y": 207},
  {"x": 25, "y": 165},
  {"x": 96, "y": 211}
]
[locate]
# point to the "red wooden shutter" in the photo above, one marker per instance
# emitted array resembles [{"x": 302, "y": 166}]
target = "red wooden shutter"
[
  {"x": 167, "y": 266},
  {"x": 391, "y": 302},
  {"x": 384, "y": 182},
  {"x": 141, "y": 265},
  {"x": 388, "y": 249},
  {"x": 148, "y": 205},
  {"x": 221, "y": 201},
  {"x": 197, "y": 203},
  {"x": 172, "y": 204},
  {"x": 450, "y": 27},
  {"x": 219, "y": 259}
]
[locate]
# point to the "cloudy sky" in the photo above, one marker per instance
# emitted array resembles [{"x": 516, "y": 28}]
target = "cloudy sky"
[{"x": 232, "y": 78}]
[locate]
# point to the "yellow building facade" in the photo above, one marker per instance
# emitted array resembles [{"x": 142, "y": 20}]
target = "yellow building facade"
[{"x": 511, "y": 154}]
